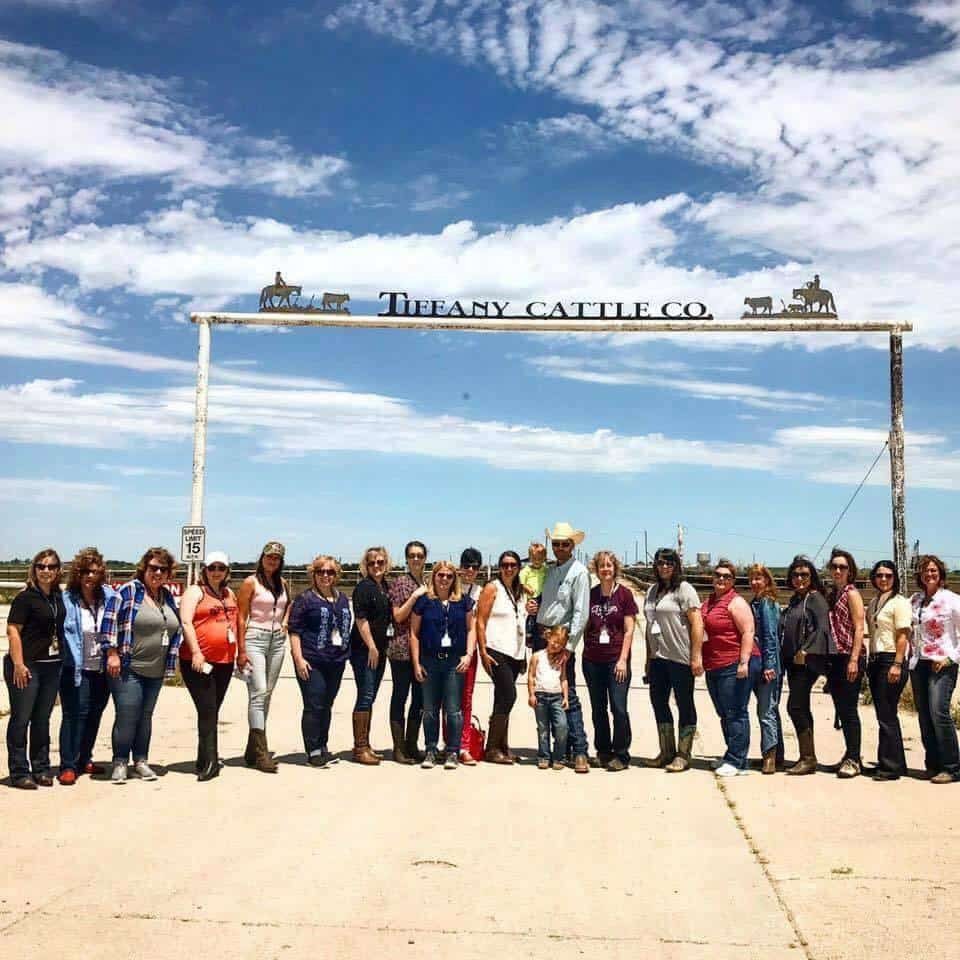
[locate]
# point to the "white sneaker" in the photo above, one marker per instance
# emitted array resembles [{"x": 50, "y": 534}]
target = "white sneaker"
[
  {"x": 143, "y": 771},
  {"x": 716, "y": 764},
  {"x": 429, "y": 760},
  {"x": 119, "y": 774},
  {"x": 728, "y": 770}
]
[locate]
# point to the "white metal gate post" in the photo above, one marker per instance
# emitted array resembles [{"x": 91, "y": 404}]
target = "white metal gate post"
[
  {"x": 200, "y": 430},
  {"x": 898, "y": 456}
]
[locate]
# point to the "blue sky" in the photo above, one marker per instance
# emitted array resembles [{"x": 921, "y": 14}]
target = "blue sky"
[{"x": 167, "y": 157}]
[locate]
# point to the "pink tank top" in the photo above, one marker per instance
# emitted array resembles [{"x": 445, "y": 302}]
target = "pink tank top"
[
  {"x": 721, "y": 642},
  {"x": 266, "y": 611}
]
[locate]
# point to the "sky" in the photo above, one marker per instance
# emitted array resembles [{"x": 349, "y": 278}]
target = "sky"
[{"x": 163, "y": 157}]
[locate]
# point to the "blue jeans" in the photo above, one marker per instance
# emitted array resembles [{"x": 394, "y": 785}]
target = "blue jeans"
[
  {"x": 664, "y": 676},
  {"x": 30, "y": 710},
  {"x": 443, "y": 686},
  {"x": 368, "y": 681},
  {"x": 81, "y": 709},
  {"x": 134, "y": 698},
  {"x": 932, "y": 693},
  {"x": 551, "y": 719},
  {"x": 768, "y": 711},
  {"x": 319, "y": 691},
  {"x": 576, "y": 735},
  {"x": 265, "y": 650},
  {"x": 731, "y": 697},
  {"x": 603, "y": 686}
]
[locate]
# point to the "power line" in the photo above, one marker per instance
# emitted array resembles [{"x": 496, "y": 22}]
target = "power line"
[{"x": 843, "y": 512}]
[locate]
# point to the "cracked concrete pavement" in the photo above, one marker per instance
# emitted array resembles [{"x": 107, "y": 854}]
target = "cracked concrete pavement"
[{"x": 352, "y": 861}]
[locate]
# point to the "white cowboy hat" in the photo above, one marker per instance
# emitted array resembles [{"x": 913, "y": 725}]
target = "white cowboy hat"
[{"x": 563, "y": 531}]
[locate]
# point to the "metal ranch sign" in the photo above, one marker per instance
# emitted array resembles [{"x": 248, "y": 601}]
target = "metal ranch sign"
[{"x": 400, "y": 304}]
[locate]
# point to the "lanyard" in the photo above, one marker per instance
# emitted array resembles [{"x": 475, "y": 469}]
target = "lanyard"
[
  {"x": 223, "y": 606},
  {"x": 94, "y": 611}
]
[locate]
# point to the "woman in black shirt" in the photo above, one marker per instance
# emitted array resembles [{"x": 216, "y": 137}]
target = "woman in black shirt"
[{"x": 32, "y": 670}]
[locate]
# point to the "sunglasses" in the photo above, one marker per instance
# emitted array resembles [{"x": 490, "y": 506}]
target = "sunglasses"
[
  {"x": 377, "y": 563},
  {"x": 563, "y": 543},
  {"x": 723, "y": 576},
  {"x": 416, "y": 556},
  {"x": 444, "y": 576},
  {"x": 470, "y": 566},
  {"x": 91, "y": 571},
  {"x": 216, "y": 567},
  {"x": 156, "y": 568},
  {"x": 882, "y": 576},
  {"x": 666, "y": 563},
  {"x": 509, "y": 565},
  {"x": 47, "y": 566},
  {"x": 839, "y": 566},
  {"x": 796, "y": 575},
  {"x": 325, "y": 573}
]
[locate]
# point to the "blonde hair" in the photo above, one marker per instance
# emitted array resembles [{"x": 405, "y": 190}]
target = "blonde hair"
[
  {"x": 322, "y": 560},
  {"x": 371, "y": 552},
  {"x": 561, "y": 630},
  {"x": 455, "y": 590},
  {"x": 607, "y": 555},
  {"x": 537, "y": 549}
]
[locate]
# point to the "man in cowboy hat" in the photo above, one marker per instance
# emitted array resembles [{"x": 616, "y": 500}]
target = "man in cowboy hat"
[{"x": 566, "y": 601}]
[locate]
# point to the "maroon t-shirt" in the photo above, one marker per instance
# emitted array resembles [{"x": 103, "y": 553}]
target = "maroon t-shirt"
[{"x": 607, "y": 612}]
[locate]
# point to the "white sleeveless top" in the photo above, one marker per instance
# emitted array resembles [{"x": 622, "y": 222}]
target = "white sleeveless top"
[
  {"x": 506, "y": 626},
  {"x": 547, "y": 679},
  {"x": 266, "y": 611}
]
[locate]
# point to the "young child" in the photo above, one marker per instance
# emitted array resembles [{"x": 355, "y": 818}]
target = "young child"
[
  {"x": 532, "y": 577},
  {"x": 548, "y": 695}
]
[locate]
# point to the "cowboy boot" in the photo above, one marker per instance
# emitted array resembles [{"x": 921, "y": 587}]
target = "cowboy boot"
[
  {"x": 264, "y": 762},
  {"x": 681, "y": 761},
  {"x": 361, "y": 739},
  {"x": 770, "y": 761},
  {"x": 505, "y": 745},
  {"x": 211, "y": 759},
  {"x": 411, "y": 738},
  {"x": 399, "y": 747},
  {"x": 808, "y": 756},
  {"x": 494, "y": 752},
  {"x": 250, "y": 754},
  {"x": 668, "y": 746}
]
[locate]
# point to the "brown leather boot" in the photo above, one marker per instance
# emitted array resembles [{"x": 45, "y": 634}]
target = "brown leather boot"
[
  {"x": 263, "y": 762},
  {"x": 681, "y": 761},
  {"x": 495, "y": 737},
  {"x": 361, "y": 740},
  {"x": 506, "y": 740},
  {"x": 249, "y": 755},
  {"x": 413, "y": 734},
  {"x": 808, "y": 756},
  {"x": 668, "y": 746},
  {"x": 770, "y": 761},
  {"x": 399, "y": 747}
]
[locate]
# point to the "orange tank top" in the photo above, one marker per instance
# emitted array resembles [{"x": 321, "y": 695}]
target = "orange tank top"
[{"x": 215, "y": 622}]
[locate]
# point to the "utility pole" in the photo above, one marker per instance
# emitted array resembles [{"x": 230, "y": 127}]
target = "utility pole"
[{"x": 897, "y": 456}]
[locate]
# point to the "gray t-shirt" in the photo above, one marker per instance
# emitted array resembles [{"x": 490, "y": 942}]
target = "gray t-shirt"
[
  {"x": 668, "y": 629},
  {"x": 149, "y": 654}
]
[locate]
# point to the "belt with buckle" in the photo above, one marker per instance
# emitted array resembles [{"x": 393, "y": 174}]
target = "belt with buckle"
[{"x": 441, "y": 655}]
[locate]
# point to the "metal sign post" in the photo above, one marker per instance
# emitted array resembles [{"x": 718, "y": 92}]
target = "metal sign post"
[{"x": 193, "y": 546}]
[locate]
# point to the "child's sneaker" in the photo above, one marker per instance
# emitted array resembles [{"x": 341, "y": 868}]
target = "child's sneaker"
[{"x": 543, "y": 763}]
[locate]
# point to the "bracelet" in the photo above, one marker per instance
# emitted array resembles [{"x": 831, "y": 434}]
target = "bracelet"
[{"x": 897, "y": 663}]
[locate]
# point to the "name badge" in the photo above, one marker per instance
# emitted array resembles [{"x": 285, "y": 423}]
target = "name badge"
[
  {"x": 54, "y": 648},
  {"x": 165, "y": 638},
  {"x": 231, "y": 638},
  {"x": 95, "y": 650},
  {"x": 604, "y": 636},
  {"x": 521, "y": 628},
  {"x": 446, "y": 641},
  {"x": 390, "y": 630},
  {"x": 335, "y": 638}
]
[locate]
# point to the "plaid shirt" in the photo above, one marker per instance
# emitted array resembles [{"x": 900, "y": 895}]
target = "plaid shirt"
[
  {"x": 841, "y": 623},
  {"x": 120, "y": 616}
]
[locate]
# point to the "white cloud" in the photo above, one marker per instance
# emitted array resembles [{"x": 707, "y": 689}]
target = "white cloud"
[
  {"x": 64, "y": 117},
  {"x": 49, "y": 491}
]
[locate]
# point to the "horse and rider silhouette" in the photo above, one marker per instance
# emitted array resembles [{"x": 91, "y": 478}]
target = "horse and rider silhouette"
[{"x": 280, "y": 291}]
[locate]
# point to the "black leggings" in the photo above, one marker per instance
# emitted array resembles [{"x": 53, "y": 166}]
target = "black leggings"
[
  {"x": 208, "y": 691},
  {"x": 846, "y": 698},
  {"x": 504, "y": 677},
  {"x": 801, "y": 678}
]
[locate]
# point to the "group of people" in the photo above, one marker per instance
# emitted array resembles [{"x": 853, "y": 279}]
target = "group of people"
[{"x": 87, "y": 642}]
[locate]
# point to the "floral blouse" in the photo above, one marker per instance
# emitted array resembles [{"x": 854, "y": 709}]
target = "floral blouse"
[{"x": 936, "y": 627}]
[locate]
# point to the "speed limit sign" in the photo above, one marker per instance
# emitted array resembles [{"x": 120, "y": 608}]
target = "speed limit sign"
[{"x": 193, "y": 544}]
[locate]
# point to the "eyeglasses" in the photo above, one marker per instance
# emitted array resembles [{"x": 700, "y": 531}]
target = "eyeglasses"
[
  {"x": 880, "y": 575},
  {"x": 377, "y": 563},
  {"x": 416, "y": 556},
  {"x": 797, "y": 575},
  {"x": 509, "y": 565},
  {"x": 47, "y": 566},
  {"x": 156, "y": 568},
  {"x": 217, "y": 567},
  {"x": 444, "y": 576},
  {"x": 666, "y": 563},
  {"x": 723, "y": 576},
  {"x": 325, "y": 573},
  {"x": 839, "y": 566}
]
